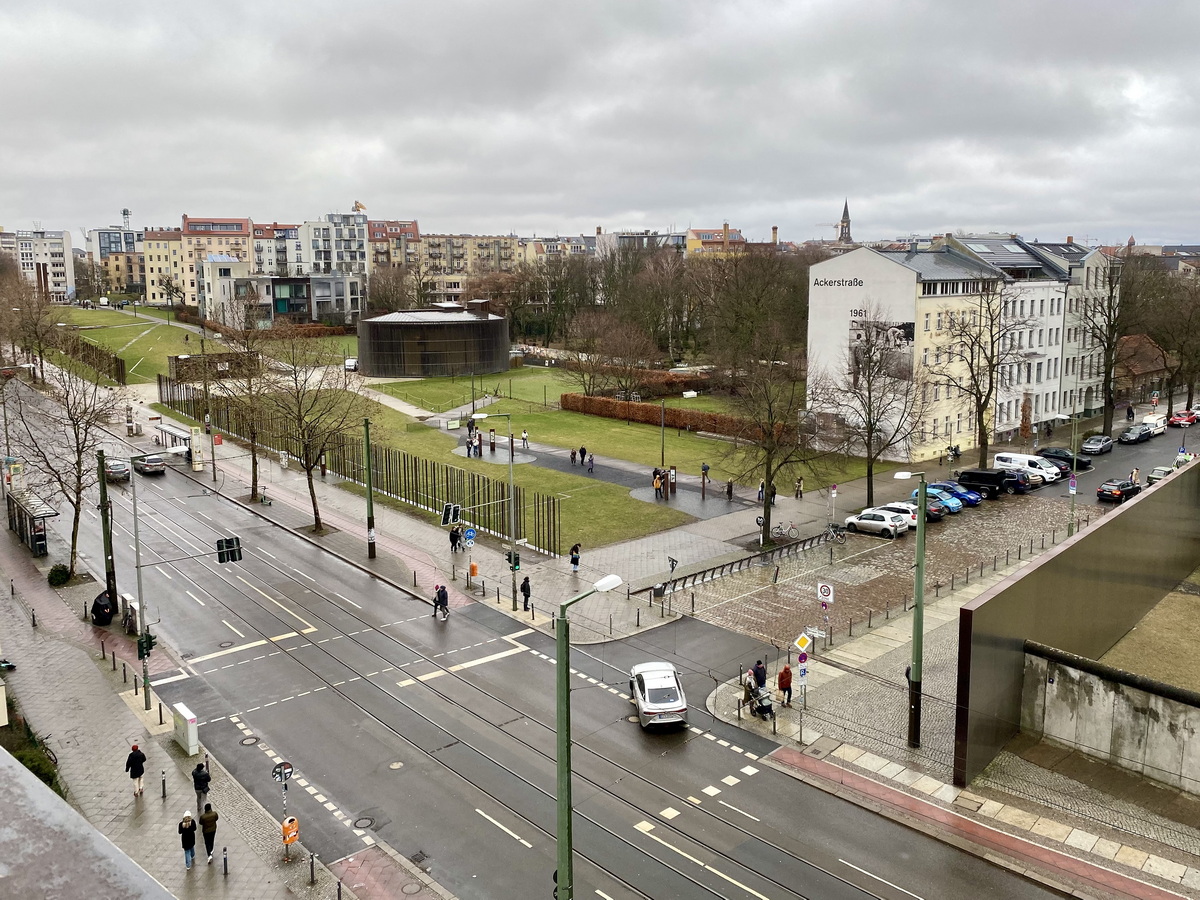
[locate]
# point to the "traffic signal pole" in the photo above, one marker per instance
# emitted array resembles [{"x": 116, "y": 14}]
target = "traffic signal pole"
[
  {"x": 137, "y": 565},
  {"x": 110, "y": 569}
]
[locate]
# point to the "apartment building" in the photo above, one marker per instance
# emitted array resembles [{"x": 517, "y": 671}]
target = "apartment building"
[
  {"x": 123, "y": 271},
  {"x": 337, "y": 243},
  {"x": 277, "y": 250},
  {"x": 539, "y": 251},
  {"x": 45, "y": 260},
  {"x": 162, "y": 256},
  {"x": 100, "y": 242},
  {"x": 201, "y": 237},
  {"x": 608, "y": 242},
  {"x": 714, "y": 240},
  {"x": 228, "y": 286},
  {"x": 394, "y": 243}
]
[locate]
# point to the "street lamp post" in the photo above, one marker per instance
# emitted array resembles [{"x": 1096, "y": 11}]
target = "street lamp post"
[
  {"x": 370, "y": 490},
  {"x": 512, "y": 499},
  {"x": 562, "y": 720},
  {"x": 1074, "y": 465},
  {"x": 914, "y": 672},
  {"x": 137, "y": 568}
]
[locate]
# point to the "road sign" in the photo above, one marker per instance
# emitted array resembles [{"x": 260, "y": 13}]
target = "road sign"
[
  {"x": 814, "y": 632},
  {"x": 824, "y": 592},
  {"x": 802, "y": 644},
  {"x": 282, "y": 771},
  {"x": 469, "y": 534},
  {"x": 1073, "y": 484},
  {"x": 802, "y": 657},
  {"x": 833, "y": 491},
  {"x": 469, "y": 542},
  {"x": 824, "y": 605},
  {"x": 802, "y": 675}
]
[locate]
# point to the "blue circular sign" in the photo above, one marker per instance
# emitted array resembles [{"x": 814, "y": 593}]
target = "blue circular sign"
[{"x": 469, "y": 534}]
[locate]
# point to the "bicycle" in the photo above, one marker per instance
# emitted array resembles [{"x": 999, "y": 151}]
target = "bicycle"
[
  {"x": 835, "y": 532},
  {"x": 42, "y": 742},
  {"x": 778, "y": 531}
]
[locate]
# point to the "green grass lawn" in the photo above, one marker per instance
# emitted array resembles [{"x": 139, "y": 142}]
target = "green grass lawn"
[
  {"x": 144, "y": 343},
  {"x": 532, "y": 384},
  {"x": 713, "y": 403}
]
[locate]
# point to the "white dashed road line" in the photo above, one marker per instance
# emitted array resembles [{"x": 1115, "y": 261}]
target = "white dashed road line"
[
  {"x": 512, "y": 834},
  {"x": 881, "y": 880}
]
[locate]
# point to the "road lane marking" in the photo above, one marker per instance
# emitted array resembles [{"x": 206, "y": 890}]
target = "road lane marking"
[
  {"x": 264, "y": 552},
  {"x": 159, "y": 681},
  {"x": 161, "y": 572},
  {"x": 302, "y": 574},
  {"x": 348, "y": 600},
  {"x": 742, "y": 811},
  {"x": 711, "y": 791},
  {"x": 194, "y": 597},
  {"x": 227, "y": 651},
  {"x": 231, "y": 628},
  {"x": 647, "y": 827},
  {"x": 877, "y": 878},
  {"x": 602, "y": 895},
  {"x": 308, "y": 627},
  {"x": 512, "y": 834}
]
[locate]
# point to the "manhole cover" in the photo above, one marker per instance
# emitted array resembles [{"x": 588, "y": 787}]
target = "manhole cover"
[
  {"x": 249, "y": 741},
  {"x": 365, "y": 822},
  {"x": 411, "y": 889},
  {"x": 418, "y": 857},
  {"x": 396, "y": 765},
  {"x": 225, "y": 644}
]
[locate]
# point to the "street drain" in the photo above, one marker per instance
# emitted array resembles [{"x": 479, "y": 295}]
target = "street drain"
[
  {"x": 365, "y": 822},
  {"x": 249, "y": 741},
  {"x": 418, "y": 857},
  {"x": 225, "y": 644}
]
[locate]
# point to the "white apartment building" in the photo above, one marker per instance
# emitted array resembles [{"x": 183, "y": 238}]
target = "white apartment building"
[
  {"x": 1047, "y": 360},
  {"x": 227, "y": 284},
  {"x": 114, "y": 239},
  {"x": 45, "y": 260},
  {"x": 338, "y": 243}
]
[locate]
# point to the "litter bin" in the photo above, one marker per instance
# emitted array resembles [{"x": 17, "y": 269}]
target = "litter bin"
[{"x": 660, "y": 590}]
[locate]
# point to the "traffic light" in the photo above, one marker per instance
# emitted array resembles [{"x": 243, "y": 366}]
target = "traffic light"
[
  {"x": 447, "y": 513},
  {"x": 229, "y": 549},
  {"x": 142, "y": 646},
  {"x": 514, "y": 560},
  {"x": 151, "y": 640},
  {"x": 145, "y": 643},
  {"x": 455, "y": 514}
]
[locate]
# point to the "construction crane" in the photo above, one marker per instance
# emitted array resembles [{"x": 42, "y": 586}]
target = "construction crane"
[{"x": 836, "y": 226}]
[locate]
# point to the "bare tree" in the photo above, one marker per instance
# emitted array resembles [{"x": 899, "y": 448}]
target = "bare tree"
[
  {"x": 246, "y": 331},
  {"x": 975, "y": 344},
  {"x": 35, "y": 320},
  {"x": 387, "y": 290},
  {"x": 1128, "y": 284},
  {"x": 59, "y": 430},
  {"x": 317, "y": 399},
  {"x": 586, "y": 365},
  {"x": 880, "y": 396}
]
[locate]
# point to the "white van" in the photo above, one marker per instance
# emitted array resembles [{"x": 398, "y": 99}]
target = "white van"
[
  {"x": 1157, "y": 423},
  {"x": 1030, "y": 465}
]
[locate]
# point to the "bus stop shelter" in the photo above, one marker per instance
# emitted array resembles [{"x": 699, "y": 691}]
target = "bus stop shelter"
[{"x": 27, "y": 515}]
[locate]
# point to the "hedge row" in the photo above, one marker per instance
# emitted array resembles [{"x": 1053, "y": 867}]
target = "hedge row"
[{"x": 652, "y": 413}]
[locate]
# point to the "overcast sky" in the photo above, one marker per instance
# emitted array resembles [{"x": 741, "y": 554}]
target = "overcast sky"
[{"x": 1046, "y": 119}]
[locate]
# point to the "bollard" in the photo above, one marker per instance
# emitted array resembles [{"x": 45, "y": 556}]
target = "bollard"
[
  {"x": 164, "y": 784},
  {"x": 937, "y": 590},
  {"x": 637, "y": 623},
  {"x": 102, "y": 651},
  {"x": 610, "y": 626},
  {"x": 531, "y": 612},
  {"x": 115, "y": 660},
  {"x": 868, "y": 619},
  {"x": 135, "y": 682},
  {"x": 85, "y": 610},
  {"x": 312, "y": 869},
  {"x": 1053, "y": 535},
  {"x": 1006, "y": 552},
  {"x": 497, "y": 595},
  {"x": 775, "y": 577},
  {"x": 850, "y": 631},
  {"x": 981, "y": 570},
  {"x": 952, "y": 582},
  {"x": 994, "y": 559},
  {"x": 1019, "y": 551},
  {"x": 967, "y": 576},
  {"x": 453, "y": 571},
  {"x": 626, "y": 592},
  {"x": 160, "y": 716},
  {"x": 414, "y": 577},
  {"x": 339, "y": 896},
  {"x": 33, "y": 618},
  {"x": 124, "y": 672},
  {"x": 693, "y": 603},
  {"x": 1031, "y": 546},
  {"x": 1044, "y": 541},
  {"x": 225, "y": 863},
  {"x": 887, "y": 610}
]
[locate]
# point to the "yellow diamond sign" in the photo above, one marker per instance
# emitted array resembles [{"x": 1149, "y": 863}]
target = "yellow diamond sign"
[{"x": 803, "y": 643}]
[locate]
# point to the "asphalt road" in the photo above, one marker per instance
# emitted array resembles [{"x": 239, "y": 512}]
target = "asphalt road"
[{"x": 442, "y": 734}]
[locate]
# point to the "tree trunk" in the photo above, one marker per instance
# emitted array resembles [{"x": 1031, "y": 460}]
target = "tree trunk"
[
  {"x": 312, "y": 496},
  {"x": 982, "y": 436},
  {"x": 78, "y": 505},
  {"x": 253, "y": 462},
  {"x": 870, "y": 481}
]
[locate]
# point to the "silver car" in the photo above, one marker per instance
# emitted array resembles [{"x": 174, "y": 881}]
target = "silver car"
[
  {"x": 658, "y": 695},
  {"x": 888, "y": 524}
]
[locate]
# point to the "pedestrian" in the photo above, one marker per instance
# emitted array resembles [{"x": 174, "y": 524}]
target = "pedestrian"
[
  {"x": 784, "y": 682},
  {"x": 187, "y": 838},
  {"x": 760, "y": 674},
  {"x": 208, "y": 828},
  {"x": 572, "y": 456},
  {"x": 762, "y": 487},
  {"x": 478, "y": 444},
  {"x": 575, "y": 558},
  {"x": 526, "y": 590},
  {"x": 135, "y": 765},
  {"x": 1129, "y": 412},
  {"x": 591, "y": 463},
  {"x": 748, "y": 686},
  {"x": 454, "y": 536},
  {"x": 200, "y": 780},
  {"x": 524, "y": 439},
  {"x": 1135, "y": 475},
  {"x": 800, "y": 488},
  {"x": 582, "y": 454},
  {"x": 773, "y": 493}
]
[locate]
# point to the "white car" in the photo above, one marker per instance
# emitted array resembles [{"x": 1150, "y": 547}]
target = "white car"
[
  {"x": 888, "y": 524},
  {"x": 657, "y": 694},
  {"x": 351, "y": 363},
  {"x": 907, "y": 511}
]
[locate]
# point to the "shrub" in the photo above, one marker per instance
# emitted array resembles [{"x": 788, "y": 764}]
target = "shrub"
[
  {"x": 39, "y": 764},
  {"x": 59, "y": 575},
  {"x": 652, "y": 413}
]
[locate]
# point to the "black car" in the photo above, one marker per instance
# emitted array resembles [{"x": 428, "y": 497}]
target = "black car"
[
  {"x": 1077, "y": 459},
  {"x": 1118, "y": 490},
  {"x": 1064, "y": 467},
  {"x": 1135, "y": 434}
]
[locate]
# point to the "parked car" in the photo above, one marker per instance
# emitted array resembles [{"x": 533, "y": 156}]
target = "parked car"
[
  {"x": 874, "y": 521},
  {"x": 1097, "y": 443},
  {"x": 1156, "y": 422},
  {"x": 991, "y": 483},
  {"x": 909, "y": 512},
  {"x": 1158, "y": 473},
  {"x": 351, "y": 364},
  {"x": 1077, "y": 459},
  {"x": 952, "y": 504},
  {"x": 657, "y": 694},
  {"x": 116, "y": 470},
  {"x": 1184, "y": 418},
  {"x": 1135, "y": 434},
  {"x": 1029, "y": 464},
  {"x": 1064, "y": 467},
  {"x": 1118, "y": 490},
  {"x": 934, "y": 507},
  {"x": 954, "y": 489},
  {"x": 150, "y": 465}
]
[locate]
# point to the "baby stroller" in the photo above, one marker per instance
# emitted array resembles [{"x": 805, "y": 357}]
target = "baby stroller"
[{"x": 761, "y": 704}]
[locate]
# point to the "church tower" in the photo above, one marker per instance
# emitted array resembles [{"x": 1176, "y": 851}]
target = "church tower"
[{"x": 844, "y": 225}]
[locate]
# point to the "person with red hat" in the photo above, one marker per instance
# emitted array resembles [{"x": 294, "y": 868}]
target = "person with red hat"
[{"x": 135, "y": 765}]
